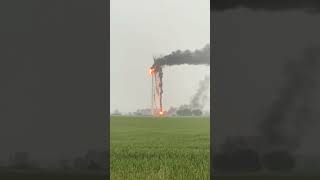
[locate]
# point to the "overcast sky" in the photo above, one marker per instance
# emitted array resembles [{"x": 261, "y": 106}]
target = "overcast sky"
[{"x": 141, "y": 29}]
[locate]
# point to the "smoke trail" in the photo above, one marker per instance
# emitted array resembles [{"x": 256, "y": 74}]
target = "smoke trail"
[
  {"x": 268, "y": 5},
  {"x": 294, "y": 96},
  {"x": 200, "y": 98}
]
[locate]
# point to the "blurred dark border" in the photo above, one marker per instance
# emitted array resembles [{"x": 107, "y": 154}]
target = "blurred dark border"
[
  {"x": 54, "y": 75},
  {"x": 308, "y": 6}
]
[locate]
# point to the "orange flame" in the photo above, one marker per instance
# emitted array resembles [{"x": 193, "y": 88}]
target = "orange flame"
[{"x": 151, "y": 71}]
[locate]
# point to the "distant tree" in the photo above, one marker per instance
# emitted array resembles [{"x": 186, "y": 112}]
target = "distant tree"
[
  {"x": 179, "y": 112},
  {"x": 196, "y": 112},
  {"x": 182, "y": 111},
  {"x": 137, "y": 113},
  {"x": 188, "y": 112},
  {"x": 172, "y": 111},
  {"x": 116, "y": 112}
]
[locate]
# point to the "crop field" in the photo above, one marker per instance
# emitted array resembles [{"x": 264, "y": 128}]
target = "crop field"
[{"x": 159, "y": 148}]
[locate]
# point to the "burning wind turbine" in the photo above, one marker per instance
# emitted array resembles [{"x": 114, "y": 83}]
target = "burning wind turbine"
[
  {"x": 198, "y": 57},
  {"x": 157, "y": 91}
]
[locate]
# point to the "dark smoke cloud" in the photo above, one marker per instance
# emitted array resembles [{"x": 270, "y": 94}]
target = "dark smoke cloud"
[
  {"x": 268, "y": 5},
  {"x": 179, "y": 57},
  {"x": 200, "y": 98},
  {"x": 296, "y": 97}
]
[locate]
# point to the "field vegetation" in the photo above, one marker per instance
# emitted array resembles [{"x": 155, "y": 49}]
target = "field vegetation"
[{"x": 160, "y": 148}]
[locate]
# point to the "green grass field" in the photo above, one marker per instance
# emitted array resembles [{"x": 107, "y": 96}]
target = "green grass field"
[{"x": 160, "y": 148}]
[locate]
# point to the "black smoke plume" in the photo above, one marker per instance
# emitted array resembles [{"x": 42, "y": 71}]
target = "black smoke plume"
[
  {"x": 296, "y": 97},
  {"x": 179, "y": 57},
  {"x": 200, "y": 97},
  {"x": 267, "y": 5}
]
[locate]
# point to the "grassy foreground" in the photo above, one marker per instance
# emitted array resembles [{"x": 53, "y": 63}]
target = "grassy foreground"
[{"x": 159, "y": 148}]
